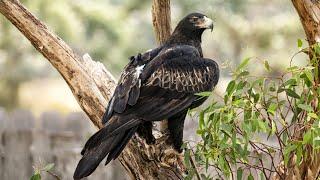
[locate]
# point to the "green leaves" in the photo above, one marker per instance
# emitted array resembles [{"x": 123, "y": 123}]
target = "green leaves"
[
  {"x": 36, "y": 176},
  {"x": 242, "y": 74},
  {"x": 299, "y": 43},
  {"x": 290, "y": 82},
  {"x": 313, "y": 115},
  {"x": 305, "y": 107},
  {"x": 291, "y": 93},
  {"x": 239, "y": 174},
  {"x": 307, "y": 137},
  {"x": 308, "y": 74},
  {"x": 37, "y": 172},
  {"x": 272, "y": 108},
  {"x": 250, "y": 177},
  {"x": 256, "y": 107},
  {"x": 243, "y": 64},
  {"x": 48, "y": 167},
  {"x": 266, "y": 65},
  {"x": 231, "y": 87},
  {"x": 288, "y": 149}
]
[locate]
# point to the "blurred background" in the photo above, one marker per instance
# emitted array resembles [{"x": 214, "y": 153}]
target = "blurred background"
[{"x": 35, "y": 100}]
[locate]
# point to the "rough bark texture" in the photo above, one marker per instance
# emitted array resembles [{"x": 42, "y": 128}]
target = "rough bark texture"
[
  {"x": 309, "y": 13},
  {"x": 161, "y": 20},
  {"x": 309, "y": 169},
  {"x": 92, "y": 86}
]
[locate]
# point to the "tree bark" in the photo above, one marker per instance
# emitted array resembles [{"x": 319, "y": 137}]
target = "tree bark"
[
  {"x": 92, "y": 86},
  {"x": 161, "y": 20},
  {"x": 309, "y": 169},
  {"x": 309, "y": 13}
]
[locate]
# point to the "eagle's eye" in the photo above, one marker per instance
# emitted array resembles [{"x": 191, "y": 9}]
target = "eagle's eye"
[{"x": 194, "y": 19}]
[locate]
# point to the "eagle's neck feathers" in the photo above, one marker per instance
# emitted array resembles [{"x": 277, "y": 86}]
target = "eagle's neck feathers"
[{"x": 178, "y": 38}]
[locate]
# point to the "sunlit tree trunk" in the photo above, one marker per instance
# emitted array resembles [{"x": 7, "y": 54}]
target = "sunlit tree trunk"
[
  {"x": 92, "y": 86},
  {"x": 161, "y": 19}
]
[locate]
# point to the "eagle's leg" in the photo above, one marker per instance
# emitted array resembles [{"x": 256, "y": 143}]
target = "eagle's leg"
[
  {"x": 175, "y": 126},
  {"x": 145, "y": 131}
]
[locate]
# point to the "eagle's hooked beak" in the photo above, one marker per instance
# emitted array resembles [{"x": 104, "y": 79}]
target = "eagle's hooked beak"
[{"x": 206, "y": 23}]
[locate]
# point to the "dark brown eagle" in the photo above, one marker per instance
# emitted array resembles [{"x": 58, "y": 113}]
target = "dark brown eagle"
[{"x": 160, "y": 84}]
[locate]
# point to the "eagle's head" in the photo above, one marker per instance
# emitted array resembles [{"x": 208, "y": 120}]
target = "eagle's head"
[{"x": 193, "y": 25}]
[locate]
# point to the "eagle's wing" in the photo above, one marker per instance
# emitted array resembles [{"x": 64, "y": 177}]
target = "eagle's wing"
[
  {"x": 127, "y": 91},
  {"x": 128, "y": 87},
  {"x": 172, "y": 86}
]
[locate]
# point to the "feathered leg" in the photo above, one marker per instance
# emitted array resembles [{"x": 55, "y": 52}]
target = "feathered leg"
[
  {"x": 145, "y": 131},
  {"x": 175, "y": 126}
]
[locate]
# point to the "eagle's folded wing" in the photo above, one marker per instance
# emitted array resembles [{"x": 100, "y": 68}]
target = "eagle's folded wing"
[
  {"x": 178, "y": 69},
  {"x": 171, "y": 88}
]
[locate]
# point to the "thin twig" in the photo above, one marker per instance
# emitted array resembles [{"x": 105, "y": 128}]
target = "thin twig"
[
  {"x": 194, "y": 165},
  {"x": 54, "y": 175}
]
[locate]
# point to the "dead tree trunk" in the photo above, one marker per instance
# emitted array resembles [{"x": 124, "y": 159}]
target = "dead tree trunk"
[{"x": 92, "y": 86}]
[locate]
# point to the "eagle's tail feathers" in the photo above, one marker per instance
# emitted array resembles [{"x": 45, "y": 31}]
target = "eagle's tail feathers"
[
  {"x": 115, "y": 152},
  {"x": 104, "y": 142}
]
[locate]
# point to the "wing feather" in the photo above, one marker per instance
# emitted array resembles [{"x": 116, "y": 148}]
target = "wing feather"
[
  {"x": 127, "y": 91},
  {"x": 187, "y": 74}
]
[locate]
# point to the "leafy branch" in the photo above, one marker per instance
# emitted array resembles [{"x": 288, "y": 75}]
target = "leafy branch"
[
  {"x": 259, "y": 122},
  {"x": 46, "y": 169}
]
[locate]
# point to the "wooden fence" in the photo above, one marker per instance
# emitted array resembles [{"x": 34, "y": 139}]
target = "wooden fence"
[{"x": 27, "y": 142}]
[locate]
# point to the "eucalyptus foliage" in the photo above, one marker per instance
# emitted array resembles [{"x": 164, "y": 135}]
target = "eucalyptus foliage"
[
  {"x": 259, "y": 122},
  {"x": 46, "y": 169}
]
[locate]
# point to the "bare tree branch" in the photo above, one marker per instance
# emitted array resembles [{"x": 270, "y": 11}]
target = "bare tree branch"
[{"x": 69, "y": 64}]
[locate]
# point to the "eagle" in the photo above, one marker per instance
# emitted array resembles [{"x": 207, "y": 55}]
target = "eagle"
[{"x": 162, "y": 83}]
